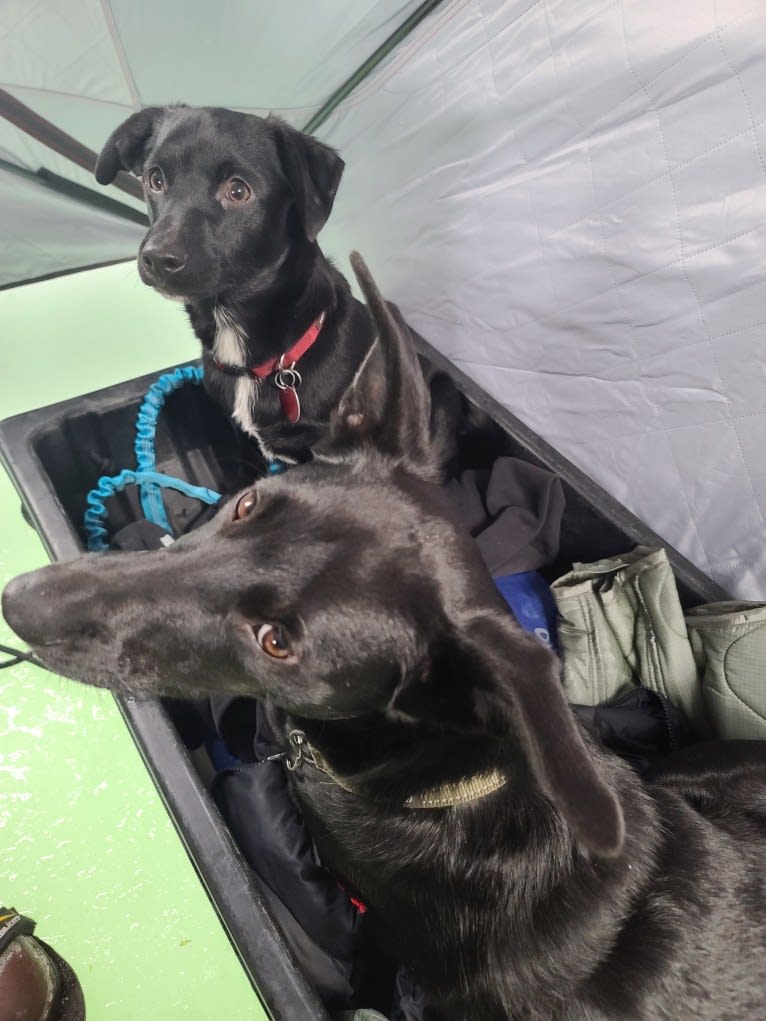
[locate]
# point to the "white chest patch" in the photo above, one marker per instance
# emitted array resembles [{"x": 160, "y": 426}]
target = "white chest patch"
[
  {"x": 229, "y": 345},
  {"x": 230, "y": 348}
]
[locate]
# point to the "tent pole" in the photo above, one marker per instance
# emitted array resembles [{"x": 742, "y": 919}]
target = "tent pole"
[
  {"x": 65, "y": 145},
  {"x": 370, "y": 64},
  {"x": 77, "y": 192}
]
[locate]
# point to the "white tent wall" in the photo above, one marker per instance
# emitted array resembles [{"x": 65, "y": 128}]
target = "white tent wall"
[
  {"x": 566, "y": 198},
  {"x": 569, "y": 201}
]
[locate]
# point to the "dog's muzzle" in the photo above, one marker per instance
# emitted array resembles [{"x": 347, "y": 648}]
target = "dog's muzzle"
[{"x": 160, "y": 260}]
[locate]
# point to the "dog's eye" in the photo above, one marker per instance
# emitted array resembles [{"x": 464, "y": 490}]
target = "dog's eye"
[
  {"x": 237, "y": 191},
  {"x": 155, "y": 180},
  {"x": 273, "y": 641},
  {"x": 245, "y": 505}
]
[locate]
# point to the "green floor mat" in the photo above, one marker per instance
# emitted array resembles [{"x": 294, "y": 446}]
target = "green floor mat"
[{"x": 86, "y": 847}]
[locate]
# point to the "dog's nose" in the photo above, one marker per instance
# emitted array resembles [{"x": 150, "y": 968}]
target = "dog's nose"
[
  {"x": 18, "y": 606},
  {"x": 162, "y": 257},
  {"x": 43, "y": 606}
]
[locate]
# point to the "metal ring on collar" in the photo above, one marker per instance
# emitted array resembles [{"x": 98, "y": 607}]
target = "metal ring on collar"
[{"x": 287, "y": 378}]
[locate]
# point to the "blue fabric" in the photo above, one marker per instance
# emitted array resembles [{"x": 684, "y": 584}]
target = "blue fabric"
[
  {"x": 220, "y": 755},
  {"x": 531, "y": 603}
]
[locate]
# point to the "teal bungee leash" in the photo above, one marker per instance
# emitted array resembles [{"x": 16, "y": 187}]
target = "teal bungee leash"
[
  {"x": 108, "y": 485},
  {"x": 150, "y": 490},
  {"x": 146, "y": 477},
  {"x": 149, "y": 481}
]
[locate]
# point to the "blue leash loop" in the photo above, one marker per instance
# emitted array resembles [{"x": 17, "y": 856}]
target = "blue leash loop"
[
  {"x": 150, "y": 491},
  {"x": 108, "y": 485},
  {"x": 150, "y": 482}
]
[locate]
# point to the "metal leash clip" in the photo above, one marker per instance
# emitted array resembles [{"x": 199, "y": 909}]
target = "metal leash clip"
[
  {"x": 298, "y": 753},
  {"x": 286, "y": 379}
]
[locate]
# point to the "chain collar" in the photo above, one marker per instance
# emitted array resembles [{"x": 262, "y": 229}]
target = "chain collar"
[{"x": 447, "y": 795}]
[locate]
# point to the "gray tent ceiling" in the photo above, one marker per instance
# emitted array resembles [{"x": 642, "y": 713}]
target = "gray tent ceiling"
[
  {"x": 568, "y": 199},
  {"x": 87, "y": 66}
]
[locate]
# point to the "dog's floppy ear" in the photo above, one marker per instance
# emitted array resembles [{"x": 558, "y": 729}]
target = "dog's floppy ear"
[
  {"x": 388, "y": 404},
  {"x": 125, "y": 147},
  {"x": 493, "y": 677},
  {"x": 313, "y": 171}
]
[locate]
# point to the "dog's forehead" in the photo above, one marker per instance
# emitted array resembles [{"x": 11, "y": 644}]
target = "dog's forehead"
[
  {"x": 328, "y": 507},
  {"x": 318, "y": 511},
  {"x": 367, "y": 517},
  {"x": 363, "y": 493},
  {"x": 325, "y": 541},
  {"x": 212, "y": 133},
  {"x": 387, "y": 538}
]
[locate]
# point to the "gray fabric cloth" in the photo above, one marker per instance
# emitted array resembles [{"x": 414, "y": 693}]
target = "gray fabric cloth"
[
  {"x": 729, "y": 644},
  {"x": 513, "y": 510}
]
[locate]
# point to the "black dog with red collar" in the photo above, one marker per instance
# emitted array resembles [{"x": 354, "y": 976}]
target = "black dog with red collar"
[{"x": 236, "y": 203}]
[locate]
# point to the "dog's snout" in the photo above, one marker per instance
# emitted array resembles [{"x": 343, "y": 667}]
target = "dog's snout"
[
  {"x": 19, "y": 601},
  {"x": 162, "y": 258},
  {"x": 46, "y": 605}
]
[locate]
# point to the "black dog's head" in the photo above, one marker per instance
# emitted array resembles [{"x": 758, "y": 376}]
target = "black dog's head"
[
  {"x": 337, "y": 590},
  {"x": 225, "y": 191},
  {"x": 316, "y": 589},
  {"x": 332, "y": 591}
]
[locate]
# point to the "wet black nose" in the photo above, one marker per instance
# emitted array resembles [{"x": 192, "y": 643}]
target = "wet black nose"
[
  {"x": 18, "y": 604},
  {"x": 46, "y": 605},
  {"x": 162, "y": 258}
]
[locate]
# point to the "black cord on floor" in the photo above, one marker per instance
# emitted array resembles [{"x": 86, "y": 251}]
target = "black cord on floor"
[{"x": 17, "y": 656}]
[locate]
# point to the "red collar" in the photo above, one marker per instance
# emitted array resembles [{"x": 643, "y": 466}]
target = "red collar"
[
  {"x": 282, "y": 367},
  {"x": 292, "y": 355}
]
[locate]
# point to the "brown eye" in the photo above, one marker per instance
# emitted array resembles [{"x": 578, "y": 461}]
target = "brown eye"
[
  {"x": 155, "y": 180},
  {"x": 237, "y": 191},
  {"x": 272, "y": 640},
  {"x": 245, "y": 505}
]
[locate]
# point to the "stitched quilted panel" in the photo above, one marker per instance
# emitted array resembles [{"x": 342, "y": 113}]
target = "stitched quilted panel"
[{"x": 569, "y": 200}]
